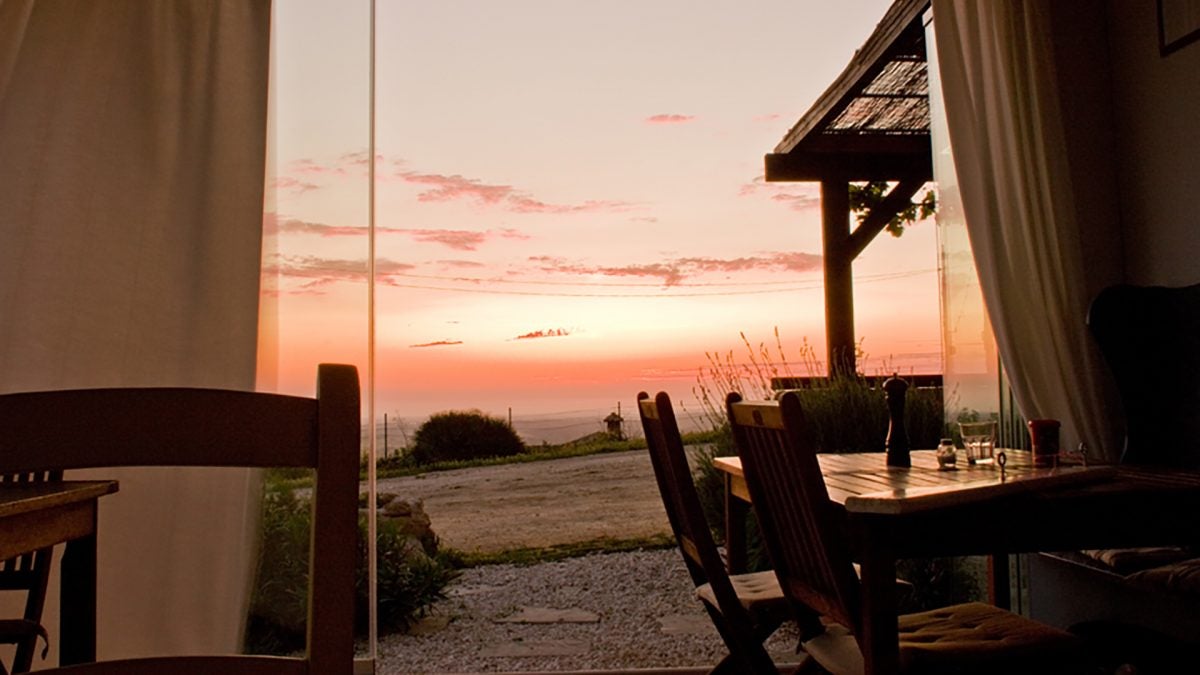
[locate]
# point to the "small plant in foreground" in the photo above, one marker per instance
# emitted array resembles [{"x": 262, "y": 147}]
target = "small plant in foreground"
[
  {"x": 464, "y": 435},
  {"x": 409, "y": 581}
]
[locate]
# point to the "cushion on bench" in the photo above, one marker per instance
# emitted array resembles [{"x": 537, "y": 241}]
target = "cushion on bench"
[
  {"x": 1125, "y": 561},
  {"x": 1182, "y": 577}
]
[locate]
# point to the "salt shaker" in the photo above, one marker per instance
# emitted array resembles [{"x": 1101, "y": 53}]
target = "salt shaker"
[{"x": 947, "y": 456}]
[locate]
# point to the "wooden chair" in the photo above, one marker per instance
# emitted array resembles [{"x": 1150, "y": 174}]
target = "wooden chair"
[
  {"x": 745, "y": 608},
  {"x": 28, "y": 574},
  {"x": 1150, "y": 337},
  {"x": 59, "y": 430},
  {"x": 804, "y": 534}
]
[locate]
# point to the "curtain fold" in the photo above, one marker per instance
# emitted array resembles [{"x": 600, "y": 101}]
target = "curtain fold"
[
  {"x": 14, "y": 14},
  {"x": 132, "y": 150},
  {"x": 1006, "y": 128}
]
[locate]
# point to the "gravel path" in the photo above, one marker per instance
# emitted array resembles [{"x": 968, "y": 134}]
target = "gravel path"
[
  {"x": 538, "y": 504},
  {"x": 638, "y": 610}
]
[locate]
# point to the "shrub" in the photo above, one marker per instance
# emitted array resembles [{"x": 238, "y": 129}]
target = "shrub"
[
  {"x": 409, "y": 582},
  {"x": 459, "y": 435}
]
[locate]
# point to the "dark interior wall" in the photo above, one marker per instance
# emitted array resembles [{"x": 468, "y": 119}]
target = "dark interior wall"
[{"x": 1156, "y": 112}]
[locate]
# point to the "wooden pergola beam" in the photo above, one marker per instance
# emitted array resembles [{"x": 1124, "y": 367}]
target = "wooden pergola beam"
[
  {"x": 859, "y": 166},
  {"x": 840, "y": 246}
]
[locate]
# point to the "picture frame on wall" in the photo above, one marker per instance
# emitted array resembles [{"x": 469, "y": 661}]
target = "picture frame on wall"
[{"x": 1178, "y": 24}]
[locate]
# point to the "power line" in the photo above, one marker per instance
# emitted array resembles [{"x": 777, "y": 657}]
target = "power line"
[{"x": 872, "y": 278}]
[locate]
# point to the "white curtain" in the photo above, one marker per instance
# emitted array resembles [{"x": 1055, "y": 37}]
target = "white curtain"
[
  {"x": 132, "y": 145},
  {"x": 1006, "y": 129}
]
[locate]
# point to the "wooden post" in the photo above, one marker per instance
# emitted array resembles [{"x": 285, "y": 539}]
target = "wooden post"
[{"x": 839, "y": 284}]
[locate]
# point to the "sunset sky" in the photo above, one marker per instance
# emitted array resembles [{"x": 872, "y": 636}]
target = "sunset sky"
[{"x": 570, "y": 204}]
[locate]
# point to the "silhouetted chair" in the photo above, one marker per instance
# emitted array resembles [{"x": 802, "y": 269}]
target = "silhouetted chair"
[
  {"x": 29, "y": 574},
  {"x": 745, "y": 608},
  {"x": 1150, "y": 338},
  {"x": 59, "y": 430},
  {"x": 804, "y": 534}
]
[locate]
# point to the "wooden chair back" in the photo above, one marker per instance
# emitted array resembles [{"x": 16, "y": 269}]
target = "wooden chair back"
[
  {"x": 1150, "y": 338},
  {"x": 686, "y": 515},
  {"x": 62, "y": 430},
  {"x": 30, "y": 574},
  {"x": 682, "y": 502},
  {"x": 798, "y": 522}
]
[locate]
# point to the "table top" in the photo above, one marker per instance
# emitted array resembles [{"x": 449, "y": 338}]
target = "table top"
[
  {"x": 863, "y": 482},
  {"x": 18, "y": 498}
]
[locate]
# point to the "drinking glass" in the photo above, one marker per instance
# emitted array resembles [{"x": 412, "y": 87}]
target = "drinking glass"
[{"x": 979, "y": 439}]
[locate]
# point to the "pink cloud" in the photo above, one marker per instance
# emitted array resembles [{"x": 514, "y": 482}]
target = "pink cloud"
[
  {"x": 670, "y": 119},
  {"x": 447, "y": 188},
  {"x": 308, "y": 274},
  {"x": 553, "y": 332},
  {"x": 460, "y": 240},
  {"x": 444, "y": 188},
  {"x": 460, "y": 263},
  {"x": 798, "y": 197},
  {"x": 675, "y": 272},
  {"x": 294, "y": 185},
  {"x": 769, "y": 117},
  {"x": 438, "y": 343},
  {"x": 530, "y": 205}
]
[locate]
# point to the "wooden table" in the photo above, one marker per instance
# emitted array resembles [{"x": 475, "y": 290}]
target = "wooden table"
[
  {"x": 36, "y": 515},
  {"x": 894, "y": 513}
]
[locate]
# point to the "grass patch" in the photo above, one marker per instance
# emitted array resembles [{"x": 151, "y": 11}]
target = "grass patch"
[
  {"x": 534, "y": 555},
  {"x": 395, "y": 467}
]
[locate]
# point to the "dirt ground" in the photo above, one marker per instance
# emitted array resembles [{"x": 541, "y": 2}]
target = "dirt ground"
[{"x": 537, "y": 504}]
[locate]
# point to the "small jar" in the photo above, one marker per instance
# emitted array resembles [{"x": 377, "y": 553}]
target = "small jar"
[{"x": 947, "y": 455}]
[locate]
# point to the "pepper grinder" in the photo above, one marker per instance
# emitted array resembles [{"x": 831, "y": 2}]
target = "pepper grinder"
[{"x": 897, "y": 438}]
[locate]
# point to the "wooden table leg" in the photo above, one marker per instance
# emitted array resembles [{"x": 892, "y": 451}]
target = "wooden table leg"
[
  {"x": 999, "y": 593},
  {"x": 880, "y": 635},
  {"x": 77, "y": 620},
  {"x": 735, "y": 529}
]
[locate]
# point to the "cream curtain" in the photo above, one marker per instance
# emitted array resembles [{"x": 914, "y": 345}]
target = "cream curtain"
[
  {"x": 132, "y": 145},
  {"x": 1005, "y": 120}
]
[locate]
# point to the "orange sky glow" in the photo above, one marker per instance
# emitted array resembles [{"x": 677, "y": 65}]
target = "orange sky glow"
[{"x": 570, "y": 205}]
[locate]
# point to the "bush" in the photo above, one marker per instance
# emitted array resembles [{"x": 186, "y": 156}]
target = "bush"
[
  {"x": 844, "y": 413},
  {"x": 409, "y": 582},
  {"x": 457, "y": 435}
]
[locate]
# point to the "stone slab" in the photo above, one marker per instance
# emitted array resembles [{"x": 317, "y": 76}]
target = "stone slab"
[{"x": 551, "y": 615}]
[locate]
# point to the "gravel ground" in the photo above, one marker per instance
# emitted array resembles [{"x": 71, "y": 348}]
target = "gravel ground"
[{"x": 646, "y": 616}]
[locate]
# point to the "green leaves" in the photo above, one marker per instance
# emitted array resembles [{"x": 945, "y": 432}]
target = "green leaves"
[{"x": 865, "y": 197}]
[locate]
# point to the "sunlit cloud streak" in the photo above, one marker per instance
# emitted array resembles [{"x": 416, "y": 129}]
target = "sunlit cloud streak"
[
  {"x": 299, "y": 174},
  {"x": 437, "y": 343},
  {"x": 537, "y": 334},
  {"x": 459, "y": 240},
  {"x": 311, "y": 273},
  {"x": 674, "y": 272},
  {"x": 447, "y": 188},
  {"x": 670, "y": 119},
  {"x": 797, "y": 196},
  {"x": 462, "y": 264},
  {"x": 294, "y": 185}
]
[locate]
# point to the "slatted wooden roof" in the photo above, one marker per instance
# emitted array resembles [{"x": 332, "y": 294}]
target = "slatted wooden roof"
[{"x": 872, "y": 123}]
